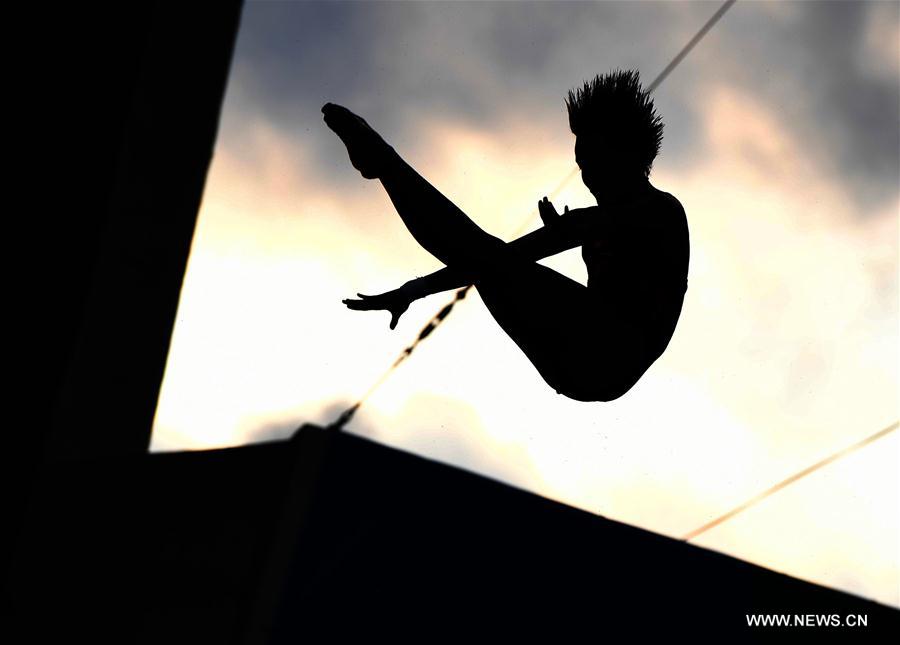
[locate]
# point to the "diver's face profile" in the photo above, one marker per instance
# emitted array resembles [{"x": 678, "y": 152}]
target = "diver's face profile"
[
  {"x": 604, "y": 170},
  {"x": 594, "y": 158}
]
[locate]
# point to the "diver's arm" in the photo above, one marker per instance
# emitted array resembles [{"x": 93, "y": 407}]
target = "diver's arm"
[
  {"x": 442, "y": 280},
  {"x": 562, "y": 234}
]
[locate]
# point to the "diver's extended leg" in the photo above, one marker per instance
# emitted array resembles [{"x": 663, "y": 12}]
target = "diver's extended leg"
[{"x": 436, "y": 223}]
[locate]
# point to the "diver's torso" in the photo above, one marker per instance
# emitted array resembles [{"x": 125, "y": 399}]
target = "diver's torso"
[{"x": 637, "y": 264}]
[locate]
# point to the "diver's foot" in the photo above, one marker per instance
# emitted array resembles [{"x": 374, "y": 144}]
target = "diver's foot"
[{"x": 369, "y": 153}]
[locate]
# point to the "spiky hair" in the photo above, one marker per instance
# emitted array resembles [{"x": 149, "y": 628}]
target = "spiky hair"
[{"x": 614, "y": 105}]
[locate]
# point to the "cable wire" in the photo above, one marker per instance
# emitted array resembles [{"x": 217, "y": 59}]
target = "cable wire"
[{"x": 790, "y": 480}]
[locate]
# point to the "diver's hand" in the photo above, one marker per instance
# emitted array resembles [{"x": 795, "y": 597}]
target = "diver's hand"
[
  {"x": 396, "y": 302},
  {"x": 548, "y": 212}
]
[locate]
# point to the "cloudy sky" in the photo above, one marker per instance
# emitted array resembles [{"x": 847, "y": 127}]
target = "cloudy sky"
[{"x": 782, "y": 144}]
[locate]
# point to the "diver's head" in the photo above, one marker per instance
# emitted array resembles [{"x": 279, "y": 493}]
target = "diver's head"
[{"x": 617, "y": 132}]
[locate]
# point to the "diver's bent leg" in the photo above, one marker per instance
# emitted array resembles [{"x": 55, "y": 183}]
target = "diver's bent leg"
[
  {"x": 554, "y": 322},
  {"x": 436, "y": 223}
]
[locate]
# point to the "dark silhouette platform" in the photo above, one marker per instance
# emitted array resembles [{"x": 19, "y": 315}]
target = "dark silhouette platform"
[{"x": 330, "y": 537}]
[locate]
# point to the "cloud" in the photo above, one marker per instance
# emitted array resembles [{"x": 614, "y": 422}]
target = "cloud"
[
  {"x": 812, "y": 61},
  {"x": 482, "y": 64}
]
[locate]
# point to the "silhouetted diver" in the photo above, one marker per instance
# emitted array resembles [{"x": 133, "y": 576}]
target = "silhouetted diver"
[{"x": 589, "y": 343}]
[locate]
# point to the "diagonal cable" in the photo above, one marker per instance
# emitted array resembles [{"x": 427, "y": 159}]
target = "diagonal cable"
[{"x": 790, "y": 480}]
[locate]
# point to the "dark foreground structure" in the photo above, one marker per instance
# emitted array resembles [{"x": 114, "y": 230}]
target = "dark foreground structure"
[{"x": 333, "y": 538}]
